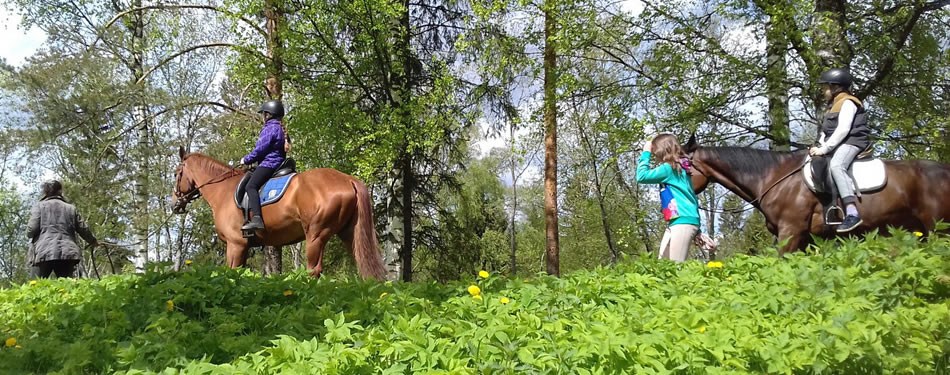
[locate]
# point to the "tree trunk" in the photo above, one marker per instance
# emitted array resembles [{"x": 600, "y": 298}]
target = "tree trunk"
[
  {"x": 550, "y": 141},
  {"x": 407, "y": 184},
  {"x": 393, "y": 235},
  {"x": 614, "y": 254},
  {"x": 136, "y": 26},
  {"x": 828, "y": 41},
  {"x": 273, "y": 260},
  {"x": 275, "y": 49},
  {"x": 711, "y": 202},
  {"x": 598, "y": 190},
  {"x": 632, "y": 192},
  {"x": 513, "y": 229},
  {"x": 180, "y": 242},
  {"x": 775, "y": 84},
  {"x": 297, "y": 256},
  {"x": 403, "y": 101},
  {"x": 273, "y": 256},
  {"x": 829, "y": 26}
]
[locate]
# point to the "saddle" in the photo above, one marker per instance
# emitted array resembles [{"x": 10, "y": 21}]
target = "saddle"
[
  {"x": 868, "y": 174},
  {"x": 271, "y": 191}
]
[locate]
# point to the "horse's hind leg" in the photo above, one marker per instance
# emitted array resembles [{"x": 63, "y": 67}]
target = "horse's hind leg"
[{"x": 316, "y": 242}]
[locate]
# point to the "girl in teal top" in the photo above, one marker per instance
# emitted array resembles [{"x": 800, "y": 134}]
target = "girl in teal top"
[{"x": 680, "y": 206}]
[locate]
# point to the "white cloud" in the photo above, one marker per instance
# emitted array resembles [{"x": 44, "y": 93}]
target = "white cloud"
[
  {"x": 741, "y": 41},
  {"x": 633, "y": 7},
  {"x": 17, "y": 44}
]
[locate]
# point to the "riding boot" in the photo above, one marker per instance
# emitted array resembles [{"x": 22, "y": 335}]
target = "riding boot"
[{"x": 255, "y": 223}]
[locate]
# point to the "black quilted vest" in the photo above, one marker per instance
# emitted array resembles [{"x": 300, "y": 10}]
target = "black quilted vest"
[{"x": 859, "y": 136}]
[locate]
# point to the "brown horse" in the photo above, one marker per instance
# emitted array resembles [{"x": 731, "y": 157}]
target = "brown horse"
[
  {"x": 915, "y": 196},
  {"x": 317, "y": 204}
]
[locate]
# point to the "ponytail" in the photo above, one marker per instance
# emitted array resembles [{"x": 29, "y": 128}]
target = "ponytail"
[{"x": 287, "y": 144}]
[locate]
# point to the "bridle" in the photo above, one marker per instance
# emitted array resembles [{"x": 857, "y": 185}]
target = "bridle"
[
  {"x": 752, "y": 203},
  {"x": 183, "y": 199}
]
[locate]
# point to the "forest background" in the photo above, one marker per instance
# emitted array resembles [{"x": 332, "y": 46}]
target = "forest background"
[{"x": 494, "y": 134}]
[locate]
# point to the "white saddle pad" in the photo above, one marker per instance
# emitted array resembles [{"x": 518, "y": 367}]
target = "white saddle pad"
[{"x": 868, "y": 174}]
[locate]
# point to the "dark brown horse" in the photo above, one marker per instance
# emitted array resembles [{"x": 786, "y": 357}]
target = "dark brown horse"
[
  {"x": 317, "y": 204},
  {"x": 916, "y": 196}
]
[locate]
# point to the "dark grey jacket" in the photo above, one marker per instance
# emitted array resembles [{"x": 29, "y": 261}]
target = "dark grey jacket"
[
  {"x": 859, "y": 135},
  {"x": 52, "y": 230}
]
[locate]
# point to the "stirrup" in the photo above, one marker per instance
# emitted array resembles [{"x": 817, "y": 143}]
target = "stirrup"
[
  {"x": 248, "y": 229},
  {"x": 249, "y": 233},
  {"x": 832, "y": 220}
]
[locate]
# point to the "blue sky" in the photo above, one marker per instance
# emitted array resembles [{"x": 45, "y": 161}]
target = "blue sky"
[{"x": 16, "y": 44}]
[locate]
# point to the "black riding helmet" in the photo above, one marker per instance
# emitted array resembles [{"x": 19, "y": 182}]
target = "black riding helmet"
[
  {"x": 837, "y": 76},
  {"x": 274, "y": 107}
]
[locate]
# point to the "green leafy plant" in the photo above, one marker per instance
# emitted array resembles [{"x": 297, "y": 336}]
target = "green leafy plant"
[{"x": 871, "y": 306}]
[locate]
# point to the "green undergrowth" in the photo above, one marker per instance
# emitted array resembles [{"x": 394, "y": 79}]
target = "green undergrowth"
[{"x": 855, "y": 307}]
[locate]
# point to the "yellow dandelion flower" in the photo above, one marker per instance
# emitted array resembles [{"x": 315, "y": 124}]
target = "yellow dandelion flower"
[
  {"x": 187, "y": 262},
  {"x": 504, "y": 300},
  {"x": 474, "y": 290},
  {"x": 702, "y": 329},
  {"x": 714, "y": 264},
  {"x": 288, "y": 293},
  {"x": 918, "y": 234},
  {"x": 483, "y": 274},
  {"x": 11, "y": 342},
  {"x": 170, "y": 305},
  {"x": 477, "y": 297},
  {"x": 32, "y": 282}
]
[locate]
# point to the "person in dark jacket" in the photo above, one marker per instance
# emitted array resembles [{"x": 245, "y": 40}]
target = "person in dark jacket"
[
  {"x": 844, "y": 134},
  {"x": 52, "y": 230},
  {"x": 270, "y": 151}
]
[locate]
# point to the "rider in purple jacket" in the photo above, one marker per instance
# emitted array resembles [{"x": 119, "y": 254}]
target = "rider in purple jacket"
[{"x": 270, "y": 153}]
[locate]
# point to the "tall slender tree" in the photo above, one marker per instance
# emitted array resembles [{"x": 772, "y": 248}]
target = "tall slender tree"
[{"x": 552, "y": 248}]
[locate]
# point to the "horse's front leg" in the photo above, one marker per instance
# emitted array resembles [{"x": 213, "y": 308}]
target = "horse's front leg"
[
  {"x": 236, "y": 254},
  {"x": 791, "y": 240}
]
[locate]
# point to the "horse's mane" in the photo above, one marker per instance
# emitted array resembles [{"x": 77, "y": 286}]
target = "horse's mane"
[
  {"x": 753, "y": 161},
  {"x": 207, "y": 162}
]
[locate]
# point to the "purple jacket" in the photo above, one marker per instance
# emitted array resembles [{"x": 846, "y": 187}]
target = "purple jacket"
[{"x": 269, "y": 150}]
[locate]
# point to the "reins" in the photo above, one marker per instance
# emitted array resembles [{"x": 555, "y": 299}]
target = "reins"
[
  {"x": 195, "y": 192},
  {"x": 753, "y": 202}
]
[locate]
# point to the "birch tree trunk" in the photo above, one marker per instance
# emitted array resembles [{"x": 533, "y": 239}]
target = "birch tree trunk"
[{"x": 552, "y": 248}]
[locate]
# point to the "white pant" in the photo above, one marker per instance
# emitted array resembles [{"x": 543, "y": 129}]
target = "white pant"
[
  {"x": 840, "y": 162},
  {"x": 676, "y": 240}
]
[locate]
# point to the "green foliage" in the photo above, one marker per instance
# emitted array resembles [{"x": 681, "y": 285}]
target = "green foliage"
[
  {"x": 472, "y": 226},
  {"x": 742, "y": 232},
  {"x": 14, "y": 213},
  {"x": 881, "y": 305}
]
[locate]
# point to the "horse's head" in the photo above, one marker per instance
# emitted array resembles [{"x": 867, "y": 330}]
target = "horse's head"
[
  {"x": 698, "y": 178},
  {"x": 186, "y": 189}
]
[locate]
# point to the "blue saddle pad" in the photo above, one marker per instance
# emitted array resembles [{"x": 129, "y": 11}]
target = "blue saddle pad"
[{"x": 274, "y": 189}]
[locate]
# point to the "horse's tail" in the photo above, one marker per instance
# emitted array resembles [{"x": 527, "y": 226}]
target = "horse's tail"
[{"x": 365, "y": 247}]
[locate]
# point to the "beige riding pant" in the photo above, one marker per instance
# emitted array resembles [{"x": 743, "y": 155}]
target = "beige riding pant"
[{"x": 676, "y": 240}]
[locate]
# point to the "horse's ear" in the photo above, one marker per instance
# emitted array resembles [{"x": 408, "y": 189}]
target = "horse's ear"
[
  {"x": 181, "y": 152},
  {"x": 691, "y": 144}
]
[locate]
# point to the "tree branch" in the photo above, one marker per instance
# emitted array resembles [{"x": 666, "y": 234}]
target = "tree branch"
[
  {"x": 934, "y": 5},
  {"x": 346, "y": 63},
  {"x": 192, "y": 48},
  {"x": 887, "y": 64},
  {"x": 182, "y": 6}
]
